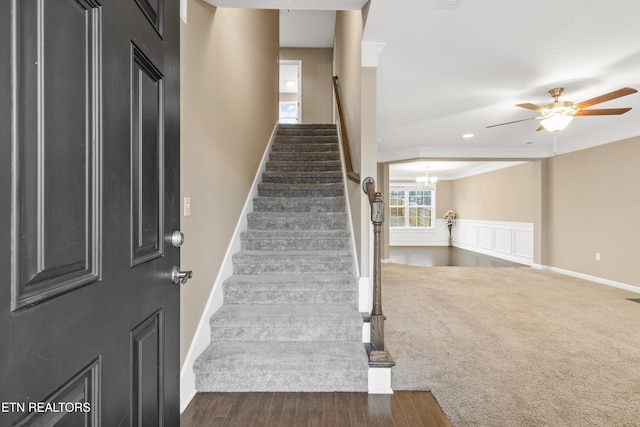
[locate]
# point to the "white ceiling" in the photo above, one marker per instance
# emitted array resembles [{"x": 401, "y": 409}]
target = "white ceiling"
[
  {"x": 307, "y": 28},
  {"x": 444, "y": 169},
  {"x": 444, "y": 72},
  {"x": 450, "y": 67}
]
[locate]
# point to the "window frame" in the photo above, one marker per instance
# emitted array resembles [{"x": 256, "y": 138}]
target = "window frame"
[{"x": 407, "y": 206}]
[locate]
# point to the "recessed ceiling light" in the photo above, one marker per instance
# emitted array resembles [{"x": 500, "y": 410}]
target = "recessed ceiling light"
[{"x": 467, "y": 135}]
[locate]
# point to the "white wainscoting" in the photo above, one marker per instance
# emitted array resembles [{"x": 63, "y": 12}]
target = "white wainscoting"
[
  {"x": 508, "y": 240},
  {"x": 437, "y": 236}
]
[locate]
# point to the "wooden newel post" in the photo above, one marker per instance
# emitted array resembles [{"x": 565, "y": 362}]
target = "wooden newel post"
[{"x": 378, "y": 354}]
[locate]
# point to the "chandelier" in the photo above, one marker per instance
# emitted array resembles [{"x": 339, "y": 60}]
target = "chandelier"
[{"x": 426, "y": 180}]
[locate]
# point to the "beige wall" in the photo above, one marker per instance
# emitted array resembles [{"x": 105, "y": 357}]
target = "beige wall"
[
  {"x": 229, "y": 68},
  {"x": 593, "y": 201},
  {"x": 503, "y": 195},
  {"x": 317, "y": 89},
  {"x": 346, "y": 65},
  {"x": 444, "y": 197}
]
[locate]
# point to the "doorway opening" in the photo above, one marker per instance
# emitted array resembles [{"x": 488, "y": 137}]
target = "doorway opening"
[{"x": 290, "y": 107}]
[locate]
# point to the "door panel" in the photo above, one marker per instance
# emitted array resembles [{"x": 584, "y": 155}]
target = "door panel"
[
  {"x": 57, "y": 221},
  {"x": 146, "y": 373},
  {"x": 147, "y": 171},
  {"x": 89, "y": 167}
]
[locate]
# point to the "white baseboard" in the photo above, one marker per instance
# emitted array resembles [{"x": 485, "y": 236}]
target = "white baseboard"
[
  {"x": 595, "y": 279},
  {"x": 202, "y": 337},
  {"x": 365, "y": 295},
  {"x": 380, "y": 381}
]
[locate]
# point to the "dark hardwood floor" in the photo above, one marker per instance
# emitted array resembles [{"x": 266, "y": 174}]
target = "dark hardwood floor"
[
  {"x": 403, "y": 408},
  {"x": 445, "y": 256}
]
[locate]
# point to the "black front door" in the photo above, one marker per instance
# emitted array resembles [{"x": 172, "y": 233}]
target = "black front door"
[{"x": 89, "y": 183}]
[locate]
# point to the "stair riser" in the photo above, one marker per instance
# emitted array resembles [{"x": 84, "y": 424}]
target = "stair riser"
[
  {"x": 285, "y": 333},
  {"x": 319, "y": 221},
  {"x": 303, "y": 381},
  {"x": 290, "y": 204},
  {"x": 288, "y": 266},
  {"x": 308, "y": 133},
  {"x": 246, "y": 296},
  {"x": 272, "y": 179},
  {"x": 306, "y": 166},
  {"x": 286, "y": 190},
  {"x": 295, "y": 244},
  {"x": 304, "y": 156},
  {"x": 305, "y": 143},
  {"x": 318, "y": 131}
]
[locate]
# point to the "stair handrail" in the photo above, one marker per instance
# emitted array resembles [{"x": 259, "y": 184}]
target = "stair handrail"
[
  {"x": 378, "y": 354},
  {"x": 353, "y": 176}
]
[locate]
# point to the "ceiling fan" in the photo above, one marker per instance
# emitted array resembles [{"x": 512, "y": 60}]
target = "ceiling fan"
[{"x": 557, "y": 115}]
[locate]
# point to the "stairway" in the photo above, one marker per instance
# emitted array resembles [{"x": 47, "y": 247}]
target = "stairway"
[{"x": 289, "y": 321}]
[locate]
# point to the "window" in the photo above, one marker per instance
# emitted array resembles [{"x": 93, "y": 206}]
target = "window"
[{"x": 411, "y": 207}]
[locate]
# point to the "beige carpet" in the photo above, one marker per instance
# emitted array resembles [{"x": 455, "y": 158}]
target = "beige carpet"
[{"x": 514, "y": 346}]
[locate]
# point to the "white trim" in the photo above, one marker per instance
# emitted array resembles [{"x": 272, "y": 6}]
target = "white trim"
[
  {"x": 356, "y": 265},
  {"x": 417, "y": 236},
  {"x": 512, "y": 241},
  {"x": 595, "y": 279},
  {"x": 366, "y": 332},
  {"x": 202, "y": 337},
  {"x": 451, "y": 152},
  {"x": 183, "y": 11},
  {"x": 298, "y": 63},
  {"x": 365, "y": 298},
  {"x": 371, "y": 53},
  {"x": 380, "y": 381},
  {"x": 541, "y": 151}
]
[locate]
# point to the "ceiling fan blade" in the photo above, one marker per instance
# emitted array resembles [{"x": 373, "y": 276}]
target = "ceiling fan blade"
[
  {"x": 603, "y": 112},
  {"x": 515, "y": 121},
  {"x": 530, "y": 106},
  {"x": 606, "y": 97}
]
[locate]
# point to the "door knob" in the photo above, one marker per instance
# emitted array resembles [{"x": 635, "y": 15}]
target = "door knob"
[
  {"x": 177, "y": 238},
  {"x": 180, "y": 277}
]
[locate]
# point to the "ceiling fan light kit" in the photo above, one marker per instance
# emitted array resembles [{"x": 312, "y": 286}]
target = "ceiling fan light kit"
[
  {"x": 557, "y": 115},
  {"x": 555, "y": 123}
]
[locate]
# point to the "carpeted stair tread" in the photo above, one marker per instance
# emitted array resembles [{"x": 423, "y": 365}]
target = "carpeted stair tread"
[
  {"x": 297, "y": 221},
  {"x": 283, "y": 366},
  {"x": 305, "y": 143},
  {"x": 302, "y": 177},
  {"x": 293, "y": 255},
  {"x": 309, "y": 314},
  {"x": 291, "y": 289},
  {"x": 300, "y": 190},
  {"x": 293, "y": 322},
  {"x": 295, "y": 240},
  {"x": 294, "y": 234},
  {"x": 299, "y": 204},
  {"x": 304, "y": 155},
  {"x": 328, "y": 281},
  {"x": 239, "y": 356},
  {"x": 291, "y": 262},
  {"x": 289, "y": 319},
  {"x": 306, "y": 129},
  {"x": 303, "y": 165}
]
